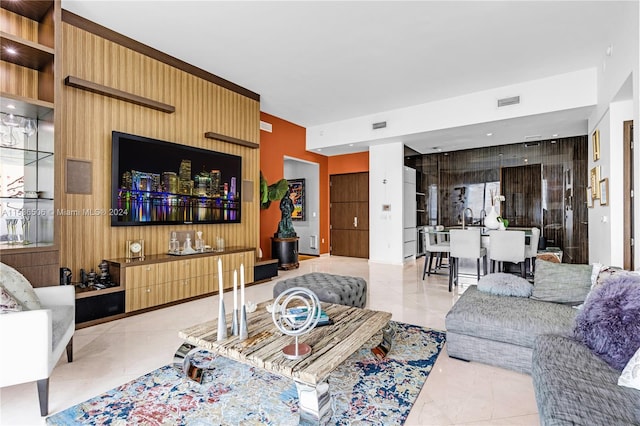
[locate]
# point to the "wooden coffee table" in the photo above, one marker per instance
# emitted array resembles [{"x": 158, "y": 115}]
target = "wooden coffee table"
[{"x": 330, "y": 344}]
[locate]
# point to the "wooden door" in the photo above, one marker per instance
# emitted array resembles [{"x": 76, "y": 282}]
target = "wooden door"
[{"x": 349, "y": 204}]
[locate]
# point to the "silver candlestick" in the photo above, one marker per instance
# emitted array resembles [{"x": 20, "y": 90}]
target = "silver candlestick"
[
  {"x": 244, "y": 332},
  {"x": 235, "y": 328},
  {"x": 222, "y": 321}
]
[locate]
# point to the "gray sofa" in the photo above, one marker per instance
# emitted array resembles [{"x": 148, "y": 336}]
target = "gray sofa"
[
  {"x": 575, "y": 387},
  {"x": 572, "y": 385},
  {"x": 501, "y": 330}
]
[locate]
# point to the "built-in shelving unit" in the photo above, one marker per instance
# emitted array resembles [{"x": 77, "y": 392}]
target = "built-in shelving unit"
[
  {"x": 160, "y": 280},
  {"x": 27, "y": 145},
  {"x": 31, "y": 55}
]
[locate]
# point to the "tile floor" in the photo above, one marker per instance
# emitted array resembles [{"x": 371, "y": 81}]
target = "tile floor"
[{"x": 455, "y": 393}]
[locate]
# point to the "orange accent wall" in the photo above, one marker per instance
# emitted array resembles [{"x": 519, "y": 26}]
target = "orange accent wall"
[
  {"x": 349, "y": 163},
  {"x": 289, "y": 139}
]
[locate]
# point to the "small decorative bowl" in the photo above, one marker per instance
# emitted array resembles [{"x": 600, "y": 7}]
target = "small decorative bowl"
[
  {"x": 251, "y": 306},
  {"x": 270, "y": 307}
]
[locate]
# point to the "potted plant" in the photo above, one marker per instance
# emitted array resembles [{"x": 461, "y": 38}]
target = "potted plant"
[
  {"x": 273, "y": 192},
  {"x": 503, "y": 223}
]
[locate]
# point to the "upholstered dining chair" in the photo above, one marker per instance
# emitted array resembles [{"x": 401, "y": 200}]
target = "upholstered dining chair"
[
  {"x": 507, "y": 246},
  {"x": 465, "y": 244},
  {"x": 531, "y": 249},
  {"x": 433, "y": 248}
]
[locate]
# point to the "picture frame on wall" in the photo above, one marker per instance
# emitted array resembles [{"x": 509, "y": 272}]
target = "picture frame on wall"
[
  {"x": 595, "y": 182},
  {"x": 604, "y": 192},
  {"x": 589, "y": 197},
  {"x": 297, "y": 195},
  {"x": 595, "y": 139}
]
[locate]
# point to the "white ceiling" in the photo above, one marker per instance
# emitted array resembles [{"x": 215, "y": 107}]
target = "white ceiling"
[{"x": 315, "y": 62}]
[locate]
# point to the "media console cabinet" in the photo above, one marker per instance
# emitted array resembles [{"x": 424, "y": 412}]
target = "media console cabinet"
[{"x": 160, "y": 280}]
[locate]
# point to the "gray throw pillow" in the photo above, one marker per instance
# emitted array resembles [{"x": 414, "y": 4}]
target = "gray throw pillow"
[
  {"x": 502, "y": 284},
  {"x": 561, "y": 282}
]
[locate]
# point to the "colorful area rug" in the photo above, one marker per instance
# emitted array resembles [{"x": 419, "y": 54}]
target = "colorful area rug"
[{"x": 364, "y": 390}]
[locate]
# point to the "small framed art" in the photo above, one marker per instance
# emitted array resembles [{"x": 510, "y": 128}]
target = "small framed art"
[
  {"x": 595, "y": 182},
  {"x": 589, "y": 197},
  {"x": 604, "y": 192},
  {"x": 595, "y": 139},
  {"x": 297, "y": 194}
]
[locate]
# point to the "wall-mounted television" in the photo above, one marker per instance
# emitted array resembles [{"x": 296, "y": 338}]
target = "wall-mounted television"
[{"x": 155, "y": 182}]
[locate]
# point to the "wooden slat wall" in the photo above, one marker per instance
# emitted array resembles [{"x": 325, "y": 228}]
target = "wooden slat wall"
[
  {"x": 17, "y": 80},
  {"x": 87, "y": 120},
  {"x": 12, "y": 23}
]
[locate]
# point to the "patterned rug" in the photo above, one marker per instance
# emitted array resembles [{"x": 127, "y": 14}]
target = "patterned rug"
[{"x": 364, "y": 390}]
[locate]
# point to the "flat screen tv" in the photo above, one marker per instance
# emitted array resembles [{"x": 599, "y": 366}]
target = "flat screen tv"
[{"x": 155, "y": 182}]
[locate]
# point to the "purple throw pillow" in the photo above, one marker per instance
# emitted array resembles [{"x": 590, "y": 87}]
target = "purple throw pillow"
[{"x": 609, "y": 322}]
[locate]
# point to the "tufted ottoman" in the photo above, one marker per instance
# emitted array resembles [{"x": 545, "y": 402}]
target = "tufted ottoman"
[{"x": 339, "y": 289}]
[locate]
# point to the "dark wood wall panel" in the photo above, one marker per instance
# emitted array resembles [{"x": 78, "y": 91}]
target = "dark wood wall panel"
[
  {"x": 556, "y": 201},
  {"x": 522, "y": 189}
]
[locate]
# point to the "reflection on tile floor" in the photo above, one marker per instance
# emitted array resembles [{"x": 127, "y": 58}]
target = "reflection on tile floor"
[{"x": 456, "y": 392}]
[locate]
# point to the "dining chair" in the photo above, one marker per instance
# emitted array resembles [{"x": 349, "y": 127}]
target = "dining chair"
[
  {"x": 507, "y": 246},
  {"x": 465, "y": 244},
  {"x": 441, "y": 237},
  {"x": 531, "y": 249},
  {"x": 433, "y": 248}
]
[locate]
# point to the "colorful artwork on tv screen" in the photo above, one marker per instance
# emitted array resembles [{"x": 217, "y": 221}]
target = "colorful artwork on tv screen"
[{"x": 156, "y": 182}]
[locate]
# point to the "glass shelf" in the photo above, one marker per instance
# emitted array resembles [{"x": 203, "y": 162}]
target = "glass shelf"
[
  {"x": 7, "y": 197},
  {"x": 20, "y": 156}
]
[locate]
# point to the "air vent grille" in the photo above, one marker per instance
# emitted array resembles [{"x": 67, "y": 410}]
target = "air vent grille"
[
  {"x": 380, "y": 125},
  {"x": 514, "y": 100},
  {"x": 267, "y": 127}
]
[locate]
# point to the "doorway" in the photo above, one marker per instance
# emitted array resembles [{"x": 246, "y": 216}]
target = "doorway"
[
  {"x": 306, "y": 222},
  {"x": 349, "y": 218}
]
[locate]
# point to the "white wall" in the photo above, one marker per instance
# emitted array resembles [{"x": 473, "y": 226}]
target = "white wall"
[
  {"x": 566, "y": 91},
  {"x": 386, "y": 176},
  {"x": 310, "y": 227},
  {"x": 618, "y": 101}
]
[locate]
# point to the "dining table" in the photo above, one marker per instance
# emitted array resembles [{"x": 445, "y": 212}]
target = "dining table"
[{"x": 443, "y": 234}]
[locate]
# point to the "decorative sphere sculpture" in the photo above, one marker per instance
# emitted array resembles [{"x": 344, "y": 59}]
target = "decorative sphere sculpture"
[{"x": 298, "y": 313}]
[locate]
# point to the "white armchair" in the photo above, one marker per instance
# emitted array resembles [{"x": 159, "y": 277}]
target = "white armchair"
[{"x": 33, "y": 340}]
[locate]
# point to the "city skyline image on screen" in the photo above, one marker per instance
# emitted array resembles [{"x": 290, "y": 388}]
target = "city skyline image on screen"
[{"x": 156, "y": 182}]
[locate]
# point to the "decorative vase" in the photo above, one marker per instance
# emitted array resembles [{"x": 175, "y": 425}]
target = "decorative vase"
[{"x": 491, "y": 220}]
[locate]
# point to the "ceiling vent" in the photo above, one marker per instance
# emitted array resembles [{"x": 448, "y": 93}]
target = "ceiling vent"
[
  {"x": 267, "y": 127},
  {"x": 514, "y": 100},
  {"x": 380, "y": 125}
]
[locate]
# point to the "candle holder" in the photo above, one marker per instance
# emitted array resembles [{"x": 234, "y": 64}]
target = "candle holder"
[
  {"x": 235, "y": 327},
  {"x": 222, "y": 321},
  {"x": 244, "y": 331}
]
